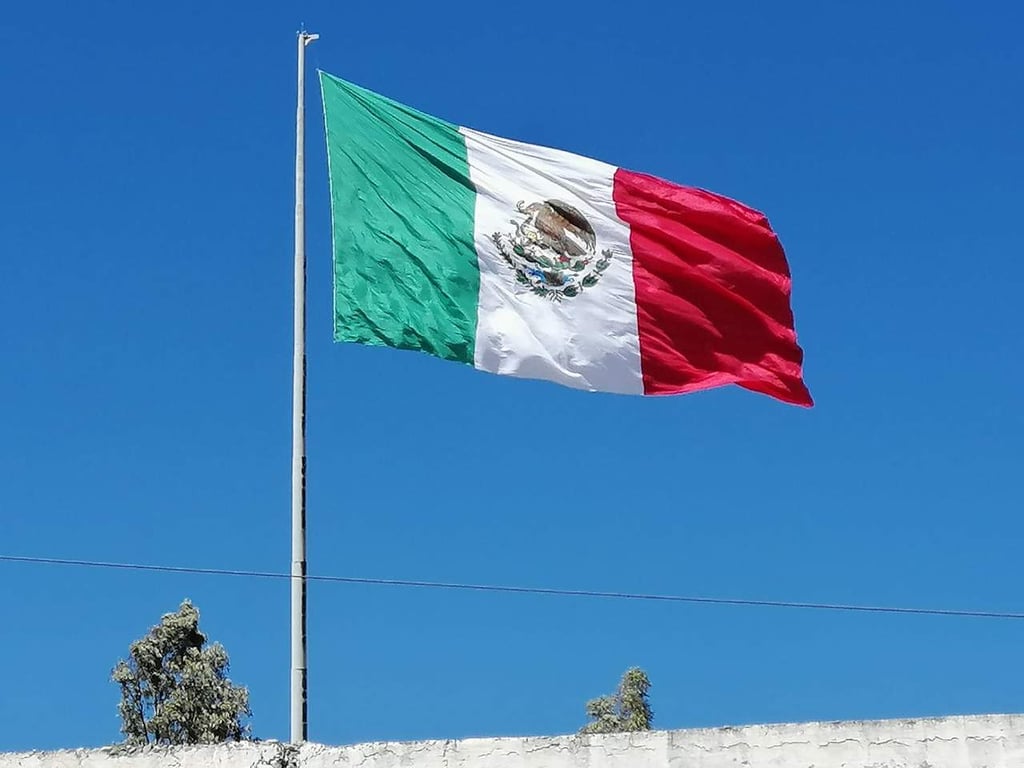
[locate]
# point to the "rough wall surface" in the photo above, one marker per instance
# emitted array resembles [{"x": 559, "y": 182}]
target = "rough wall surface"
[{"x": 983, "y": 741}]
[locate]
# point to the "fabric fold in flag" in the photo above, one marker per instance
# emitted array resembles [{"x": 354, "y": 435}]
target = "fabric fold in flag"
[{"x": 534, "y": 262}]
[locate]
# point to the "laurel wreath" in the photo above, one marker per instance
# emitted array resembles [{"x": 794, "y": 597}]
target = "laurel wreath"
[{"x": 555, "y": 294}]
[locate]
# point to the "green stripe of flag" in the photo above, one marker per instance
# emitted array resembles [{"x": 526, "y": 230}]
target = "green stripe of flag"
[{"x": 405, "y": 267}]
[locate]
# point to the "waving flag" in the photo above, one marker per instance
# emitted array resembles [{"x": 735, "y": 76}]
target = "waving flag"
[{"x": 534, "y": 262}]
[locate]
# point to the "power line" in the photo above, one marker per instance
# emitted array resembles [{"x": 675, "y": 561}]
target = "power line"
[{"x": 506, "y": 589}]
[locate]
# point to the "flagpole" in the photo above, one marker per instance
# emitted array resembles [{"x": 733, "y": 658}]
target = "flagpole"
[{"x": 299, "y": 726}]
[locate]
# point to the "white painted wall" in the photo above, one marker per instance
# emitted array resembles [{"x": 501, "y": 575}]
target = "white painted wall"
[{"x": 982, "y": 741}]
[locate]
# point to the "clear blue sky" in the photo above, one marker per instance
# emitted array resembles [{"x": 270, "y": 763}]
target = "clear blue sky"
[{"x": 145, "y": 332}]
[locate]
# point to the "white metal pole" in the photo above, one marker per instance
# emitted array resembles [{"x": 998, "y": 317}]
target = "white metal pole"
[{"x": 299, "y": 729}]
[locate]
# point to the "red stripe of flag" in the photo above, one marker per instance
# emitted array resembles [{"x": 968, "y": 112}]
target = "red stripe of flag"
[{"x": 712, "y": 292}]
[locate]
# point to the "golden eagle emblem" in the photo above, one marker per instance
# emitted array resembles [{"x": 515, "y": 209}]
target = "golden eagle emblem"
[{"x": 553, "y": 250}]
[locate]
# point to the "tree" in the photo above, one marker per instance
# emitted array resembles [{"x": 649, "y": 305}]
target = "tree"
[
  {"x": 625, "y": 710},
  {"x": 175, "y": 689}
]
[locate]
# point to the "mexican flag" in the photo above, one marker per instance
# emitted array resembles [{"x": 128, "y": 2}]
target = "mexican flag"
[{"x": 534, "y": 262}]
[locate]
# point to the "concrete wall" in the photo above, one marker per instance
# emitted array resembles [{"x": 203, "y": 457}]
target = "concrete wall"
[{"x": 984, "y": 741}]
